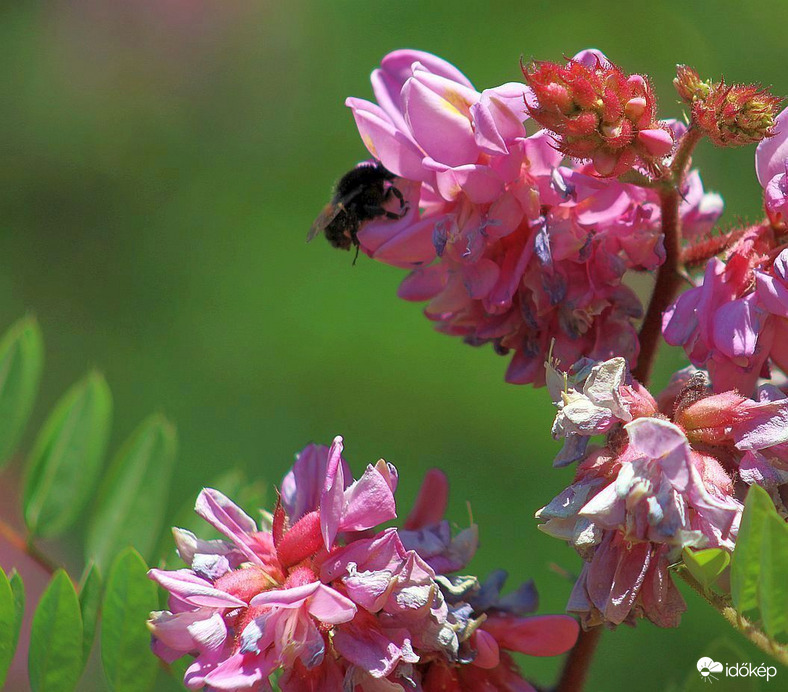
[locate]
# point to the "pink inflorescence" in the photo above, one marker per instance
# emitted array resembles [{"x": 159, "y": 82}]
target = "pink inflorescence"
[
  {"x": 670, "y": 475},
  {"x": 510, "y": 243},
  {"x": 735, "y": 321},
  {"x": 319, "y": 595}
]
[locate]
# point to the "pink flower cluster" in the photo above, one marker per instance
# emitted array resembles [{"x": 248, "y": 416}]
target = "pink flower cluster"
[
  {"x": 670, "y": 476},
  {"x": 735, "y": 322},
  {"x": 510, "y": 244},
  {"x": 319, "y": 595}
]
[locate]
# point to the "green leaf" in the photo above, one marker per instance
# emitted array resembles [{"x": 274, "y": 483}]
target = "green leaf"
[
  {"x": 706, "y": 565},
  {"x": 746, "y": 563},
  {"x": 64, "y": 465},
  {"x": 21, "y": 361},
  {"x": 7, "y": 626},
  {"x": 760, "y": 563},
  {"x": 89, "y": 604},
  {"x": 18, "y": 589},
  {"x": 773, "y": 587},
  {"x": 133, "y": 498},
  {"x": 55, "y": 659},
  {"x": 125, "y": 641}
]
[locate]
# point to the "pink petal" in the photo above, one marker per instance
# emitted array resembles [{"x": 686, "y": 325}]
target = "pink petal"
[
  {"x": 591, "y": 57},
  {"x": 431, "y": 503},
  {"x": 241, "y": 671},
  {"x": 480, "y": 183},
  {"x": 332, "y": 500},
  {"x": 423, "y": 283},
  {"x": 657, "y": 142},
  {"x": 385, "y": 142},
  {"x": 368, "y": 502},
  {"x": 227, "y": 518},
  {"x": 402, "y": 243},
  {"x": 772, "y": 152},
  {"x": 539, "y": 635},
  {"x": 765, "y": 425},
  {"x": 330, "y": 606},
  {"x": 439, "y": 128},
  {"x": 193, "y": 590}
]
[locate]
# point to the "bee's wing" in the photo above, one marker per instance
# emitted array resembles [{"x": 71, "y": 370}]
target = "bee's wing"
[{"x": 329, "y": 213}]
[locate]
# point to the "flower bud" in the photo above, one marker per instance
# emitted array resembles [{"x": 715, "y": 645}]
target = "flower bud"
[
  {"x": 731, "y": 116},
  {"x": 597, "y": 112},
  {"x": 689, "y": 84}
]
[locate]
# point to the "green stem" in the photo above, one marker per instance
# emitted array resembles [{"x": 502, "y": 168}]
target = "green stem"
[{"x": 737, "y": 621}]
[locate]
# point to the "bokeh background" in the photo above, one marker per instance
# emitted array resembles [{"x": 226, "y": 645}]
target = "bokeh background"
[{"x": 162, "y": 161}]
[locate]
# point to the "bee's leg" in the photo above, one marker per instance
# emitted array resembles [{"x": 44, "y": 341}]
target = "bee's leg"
[
  {"x": 403, "y": 205},
  {"x": 358, "y": 247},
  {"x": 375, "y": 211}
]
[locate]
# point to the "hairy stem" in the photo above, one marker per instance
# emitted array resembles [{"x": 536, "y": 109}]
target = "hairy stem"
[
  {"x": 14, "y": 538},
  {"x": 737, "y": 621},
  {"x": 578, "y": 661}
]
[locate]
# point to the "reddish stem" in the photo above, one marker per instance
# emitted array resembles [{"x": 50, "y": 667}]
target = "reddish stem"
[
  {"x": 578, "y": 661},
  {"x": 18, "y": 541},
  {"x": 665, "y": 288}
]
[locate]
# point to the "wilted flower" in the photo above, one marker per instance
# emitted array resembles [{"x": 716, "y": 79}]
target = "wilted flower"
[
  {"x": 510, "y": 246},
  {"x": 315, "y": 593},
  {"x": 668, "y": 477}
]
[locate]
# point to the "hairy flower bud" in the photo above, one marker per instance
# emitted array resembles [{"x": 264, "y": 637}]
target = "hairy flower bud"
[
  {"x": 598, "y": 112},
  {"x": 732, "y": 115},
  {"x": 689, "y": 84}
]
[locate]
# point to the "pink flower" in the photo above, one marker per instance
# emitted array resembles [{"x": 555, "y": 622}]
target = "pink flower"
[
  {"x": 722, "y": 323},
  {"x": 317, "y": 594},
  {"x": 657, "y": 485},
  {"x": 508, "y": 246}
]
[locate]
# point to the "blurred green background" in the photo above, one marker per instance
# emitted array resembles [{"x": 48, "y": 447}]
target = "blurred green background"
[{"x": 161, "y": 163}]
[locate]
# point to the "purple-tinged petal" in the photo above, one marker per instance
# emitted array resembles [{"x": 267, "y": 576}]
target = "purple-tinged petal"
[
  {"x": 772, "y": 152},
  {"x": 592, "y": 58},
  {"x": 765, "y": 425},
  {"x": 229, "y": 519}
]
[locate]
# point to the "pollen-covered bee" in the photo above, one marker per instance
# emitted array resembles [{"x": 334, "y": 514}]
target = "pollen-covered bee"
[{"x": 359, "y": 196}]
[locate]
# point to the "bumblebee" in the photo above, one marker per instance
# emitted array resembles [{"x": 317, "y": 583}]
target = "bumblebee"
[{"x": 359, "y": 196}]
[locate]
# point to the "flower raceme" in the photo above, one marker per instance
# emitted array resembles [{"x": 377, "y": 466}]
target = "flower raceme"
[
  {"x": 670, "y": 475},
  {"x": 510, "y": 244},
  {"x": 317, "y": 594}
]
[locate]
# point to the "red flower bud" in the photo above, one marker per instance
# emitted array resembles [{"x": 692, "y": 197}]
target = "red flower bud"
[{"x": 599, "y": 113}]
